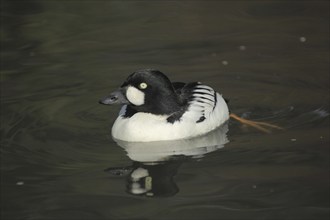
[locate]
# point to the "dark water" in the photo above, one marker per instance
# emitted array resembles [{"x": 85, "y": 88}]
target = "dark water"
[{"x": 58, "y": 161}]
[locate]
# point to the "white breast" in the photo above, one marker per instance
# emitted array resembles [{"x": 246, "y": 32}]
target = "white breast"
[{"x": 145, "y": 127}]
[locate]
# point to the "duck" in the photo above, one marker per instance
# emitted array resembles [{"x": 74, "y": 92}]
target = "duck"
[{"x": 156, "y": 109}]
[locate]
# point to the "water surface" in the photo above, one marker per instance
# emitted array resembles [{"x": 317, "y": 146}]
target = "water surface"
[{"x": 270, "y": 58}]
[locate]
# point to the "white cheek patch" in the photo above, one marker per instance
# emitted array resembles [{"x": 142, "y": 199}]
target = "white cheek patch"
[{"x": 135, "y": 96}]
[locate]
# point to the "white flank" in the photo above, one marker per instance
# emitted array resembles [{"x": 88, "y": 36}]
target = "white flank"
[{"x": 146, "y": 127}]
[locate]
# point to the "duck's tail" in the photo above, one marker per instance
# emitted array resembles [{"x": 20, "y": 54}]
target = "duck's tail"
[{"x": 261, "y": 126}]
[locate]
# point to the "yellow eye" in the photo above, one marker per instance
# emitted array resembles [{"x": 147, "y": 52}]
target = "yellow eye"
[{"x": 143, "y": 85}]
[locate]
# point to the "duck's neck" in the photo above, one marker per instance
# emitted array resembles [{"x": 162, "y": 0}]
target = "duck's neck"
[{"x": 165, "y": 105}]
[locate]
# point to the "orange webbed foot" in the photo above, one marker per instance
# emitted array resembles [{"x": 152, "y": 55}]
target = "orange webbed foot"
[{"x": 261, "y": 126}]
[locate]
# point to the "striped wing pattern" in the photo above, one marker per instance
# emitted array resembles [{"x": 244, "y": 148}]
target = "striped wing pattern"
[{"x": 202, "y": 102}]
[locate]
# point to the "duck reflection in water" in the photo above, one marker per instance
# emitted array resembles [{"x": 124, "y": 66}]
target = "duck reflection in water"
[{"x": 156, "y": 163}]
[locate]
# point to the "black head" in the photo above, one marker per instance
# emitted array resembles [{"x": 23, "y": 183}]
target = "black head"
[{"x": 146, "y": 90}]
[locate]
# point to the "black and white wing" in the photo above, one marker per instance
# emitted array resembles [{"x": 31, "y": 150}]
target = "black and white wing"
[
  {"x": 200, "y": 104},
  {"x": 201, "y": 101}
]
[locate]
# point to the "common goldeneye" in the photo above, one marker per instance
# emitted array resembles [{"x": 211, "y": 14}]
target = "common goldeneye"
[{"x": 155, "y": 109}]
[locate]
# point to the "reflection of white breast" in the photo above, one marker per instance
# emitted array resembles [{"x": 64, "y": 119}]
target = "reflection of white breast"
[{"x": 164, "y": 150}]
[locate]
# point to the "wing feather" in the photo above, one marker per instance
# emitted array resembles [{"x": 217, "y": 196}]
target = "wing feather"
[{"x": 202, "y": 101}]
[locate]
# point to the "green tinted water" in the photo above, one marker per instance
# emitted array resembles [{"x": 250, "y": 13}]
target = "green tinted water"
[{"x": 271, "y": 59}]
